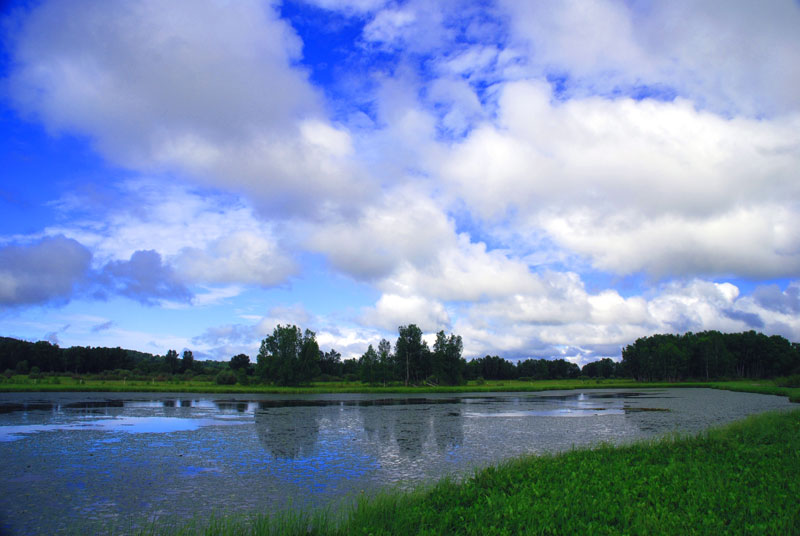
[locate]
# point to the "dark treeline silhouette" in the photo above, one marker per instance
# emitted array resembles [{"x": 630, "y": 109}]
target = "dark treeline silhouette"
[
  {"x": 23, "y": 357},
  {"x": 710, "y": 355},
  {"x": 291, "y": 356}
]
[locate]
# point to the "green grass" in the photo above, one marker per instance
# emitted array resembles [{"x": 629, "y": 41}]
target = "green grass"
[
  {"x": 68, "y": 384},
  {"x": 743, "y": 478}
]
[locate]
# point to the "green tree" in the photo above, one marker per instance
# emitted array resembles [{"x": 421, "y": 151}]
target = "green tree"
[
  {"x": 188, "y": 361},
  {"x": 447, "y": 364},
  {"x": 240, "y": 362},
  {"x": 368, "y": 365},
  {"x": 384, "y": 372},
  {"x": 308, "y": 365},
  {"x": 171, "y": 362},
  {"x": 331, "y": 363},
  {"x": 412, "y": 356},
  {"x": 288, "y": 357}
]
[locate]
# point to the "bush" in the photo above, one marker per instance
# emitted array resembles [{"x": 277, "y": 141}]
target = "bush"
[
  {"x": 327, "y": 378},
  {"x": 480, "y": 380},
  {"x": 791, "y": 381},
  {"x": 226, "y": 377}
]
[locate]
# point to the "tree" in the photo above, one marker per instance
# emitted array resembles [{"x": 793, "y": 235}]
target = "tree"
[
  {"x": 412, "y": 353},
  {"x": 240, "y": 362},
  {"x": 288, "y": 357},
  {"x": 331, "y": 363},
  {"x": 367, "y": 365},
  {"x": 188, "y": 361},
  {"x": 448, "y": 367},
  {"x": 308, "y": 365},
  {"x": 171, "y": 362},
  {"x": 384, "y": 372}
]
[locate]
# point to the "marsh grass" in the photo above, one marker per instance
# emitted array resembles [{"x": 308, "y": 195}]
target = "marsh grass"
[
  {"x": 743, "y": 478},
  {"x": 68, "y": 384}
]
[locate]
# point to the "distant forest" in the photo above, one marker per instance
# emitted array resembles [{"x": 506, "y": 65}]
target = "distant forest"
[{"x": 291, "y": 356}]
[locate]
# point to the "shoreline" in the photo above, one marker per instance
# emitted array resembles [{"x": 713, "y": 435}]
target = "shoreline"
[{"x": 119, "y": 386}]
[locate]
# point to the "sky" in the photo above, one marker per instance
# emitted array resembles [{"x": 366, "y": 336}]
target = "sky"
[{"x": 544, "y": 179}]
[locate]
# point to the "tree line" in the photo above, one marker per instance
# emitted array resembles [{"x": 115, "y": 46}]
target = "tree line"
[
  {"x": 291, "y": 356},
  {"x": 22, "y": 357},
  {"x": 709, "y": 355},
  {"x": 287, "y": 358}
]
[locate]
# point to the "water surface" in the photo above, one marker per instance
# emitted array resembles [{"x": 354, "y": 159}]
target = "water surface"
[{"x": 70, "y": 457}]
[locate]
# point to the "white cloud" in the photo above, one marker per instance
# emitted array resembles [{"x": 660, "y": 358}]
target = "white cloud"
[
  {"x": 205, "y": 238},
  {"x": 204, "y": 89},
  {"x": 406, "y": 226},
  {"x": 393, "y": 310},
  {"x": 740, "y": 57},
  {"x": 603, "y": 177},
  {"x": 239, "y": 257}
]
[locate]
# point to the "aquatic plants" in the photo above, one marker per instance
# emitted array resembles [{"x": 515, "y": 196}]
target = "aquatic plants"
[{"x": 743, "y": 478}]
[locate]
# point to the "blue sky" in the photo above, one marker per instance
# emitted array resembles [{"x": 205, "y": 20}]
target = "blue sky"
[{"x": 543, "y": 179}]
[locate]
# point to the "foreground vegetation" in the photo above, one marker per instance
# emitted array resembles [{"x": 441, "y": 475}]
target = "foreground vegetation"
[{"x": 743, "y": 478}]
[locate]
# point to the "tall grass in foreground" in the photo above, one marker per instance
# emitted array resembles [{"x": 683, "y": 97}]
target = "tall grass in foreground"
[{"x": 743, "y": 478}]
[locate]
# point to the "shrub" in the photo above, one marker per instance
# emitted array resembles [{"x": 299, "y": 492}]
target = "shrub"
[
  {"x": 791, "y": 381},
  {"x": 480, "y": 380},
  {"x": 327, "y": 378},
  {"x": 226, "y": 377}
]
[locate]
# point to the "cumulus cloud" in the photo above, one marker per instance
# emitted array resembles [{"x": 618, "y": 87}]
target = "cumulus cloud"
[
  {"x": 47, "y": 270},
  {"x": 393, "y": 310},
  {"x": 740, "y": 58},
  {"x": 604, "y": 177},
  {"x": 204, "y": 89},
  {"x": 205, "y": 238},
  {"x": 406, "y": 226},
  {"x": 772, "y": 298},
  {"x": 241, "y": 257},
  {"x": 144, "y": 278}
]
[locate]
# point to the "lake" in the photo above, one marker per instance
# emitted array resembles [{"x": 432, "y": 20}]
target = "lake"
[{"x": 69, "y": 458}]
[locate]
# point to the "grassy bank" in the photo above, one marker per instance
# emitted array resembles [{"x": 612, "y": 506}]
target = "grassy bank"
[
  {"x": 743, "y": 478},
  {"x": 69, "y": 384}
]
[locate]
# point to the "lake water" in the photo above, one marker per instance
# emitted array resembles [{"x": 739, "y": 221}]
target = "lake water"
[{"x": 105, "y": 457}]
